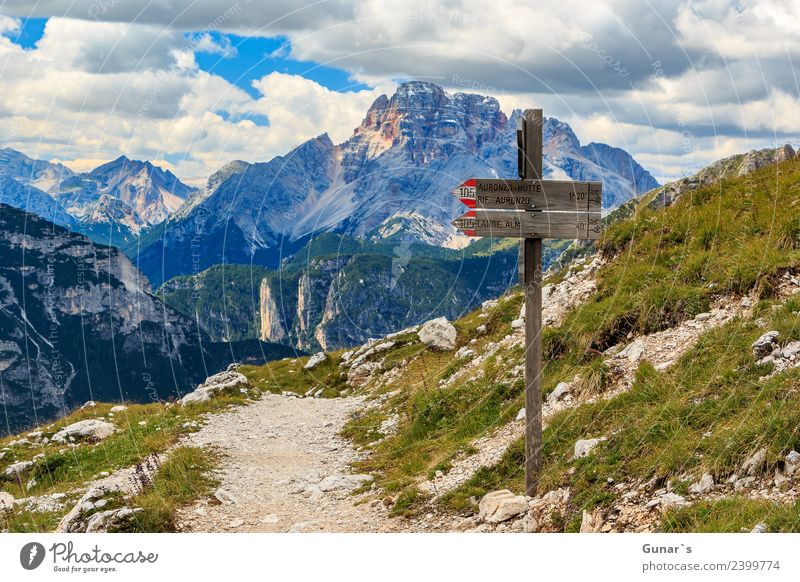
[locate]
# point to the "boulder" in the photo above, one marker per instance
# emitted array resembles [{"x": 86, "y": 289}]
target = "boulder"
[
  {"x": 756, "y": 463},
  {"x": 438, "y": 334},
  {"x": 73, "y": 520},
  {"x": 315, "y": 360},
  {"x": 764, "y": 345},
  {"x": 222, "y": 382},
  {"x": 119, "y": 408},
  {"x": 704, "y": 485},
  {"x": 584, "y": 446},
  {"x": 91, "y": 429},
  {"x": 521, "y": 414},
  {"x": 518, "y": 324},
  {"x": 17, "y": 469},
  {"x": 359, "y": 375},
  {"x": 759, "y": 528},
  {"x": 561, "y": 390},
  {"x": 500, "y": 506}
]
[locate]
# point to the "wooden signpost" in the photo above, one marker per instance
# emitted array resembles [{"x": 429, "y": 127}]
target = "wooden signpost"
[{"x": 531, "y": 209}]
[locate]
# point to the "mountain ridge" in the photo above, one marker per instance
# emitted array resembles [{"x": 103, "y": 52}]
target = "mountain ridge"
[{"x": 405, "y": 157}]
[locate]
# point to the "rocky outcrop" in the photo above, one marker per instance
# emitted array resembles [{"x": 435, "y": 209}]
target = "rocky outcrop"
[
  {"x": 224, "y": 382},
  {"x": 730, "y": 167},
  {"x": 499, "y": 506},
  {"x": 765, "y": 344},
  {"x": 272, "y": 328},
  {"x": 438, "y": 334},
  {"x": 91, "y": 429},
  {"x": 315, "y": 360}
]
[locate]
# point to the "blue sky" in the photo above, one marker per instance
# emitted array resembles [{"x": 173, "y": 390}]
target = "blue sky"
[
  {"x": 258, "y": 56},
  {"x": 254, "y": 57}
]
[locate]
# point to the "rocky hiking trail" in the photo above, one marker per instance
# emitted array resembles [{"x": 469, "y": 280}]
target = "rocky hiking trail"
[{"x": 283, "y": 468}]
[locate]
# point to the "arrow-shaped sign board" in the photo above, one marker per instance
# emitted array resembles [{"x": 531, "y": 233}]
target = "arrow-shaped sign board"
[
  {"x": 546, "y": 195},
  {"x": 499, "y": 223}
]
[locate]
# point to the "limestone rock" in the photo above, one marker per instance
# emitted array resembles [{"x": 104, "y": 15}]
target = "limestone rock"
[
  {"x": 633, "y": 351},
  {"x": 73, "y": 520},
  {"x": 438, "y": 334},
  {"x": 591, "y": 522},
  {"x": 91, "y": 429},
  {"x": 764, "y": 345},
  {"x": 521, "y": 414},
  {"x": 315, "y": 360},
  {"x": 17, "y": 469},
  {"x": 756, "y": 463},
  {"x": 704, "y": 485},
  {"x": 561, "y": 390},
  {"x": 6, "y": 501},
  {"x": 584, "y": 446},
  {"x": 224, "y": 497},
  {"x": 358, "y": 375},
  {"x": 759, "y": 528},
  {"x": 792, "y": 463},
  {"x": 500, "y": 506},
  {"x": 464, "y": 352},
  {"x": 119, "y": 408},
  {"x": 103, "y": 521},
  {"x": 222, "y": 382}
]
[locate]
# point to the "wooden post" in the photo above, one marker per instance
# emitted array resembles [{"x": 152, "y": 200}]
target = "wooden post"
[{"x": 532, "y": 258}]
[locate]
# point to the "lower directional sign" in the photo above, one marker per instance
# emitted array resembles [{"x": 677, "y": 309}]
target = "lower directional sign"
[{"x": 502, "y": 223}]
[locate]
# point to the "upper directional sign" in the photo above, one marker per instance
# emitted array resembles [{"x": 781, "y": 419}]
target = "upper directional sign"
[
  {"x": 545, "y": 195},
  {"x": 504, "y": 223}
]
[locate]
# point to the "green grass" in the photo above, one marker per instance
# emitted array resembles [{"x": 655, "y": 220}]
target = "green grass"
[
  {"x": 182, "y": 478},
  {"x": 733, "y": 515},
  {"x": 289, "y": 375},
  {"x": 708, "y": 413}
]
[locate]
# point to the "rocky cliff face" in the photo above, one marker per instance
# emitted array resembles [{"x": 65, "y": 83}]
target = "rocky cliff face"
[
  {"x": 403, "y": 160},
  {"x": 78, "y": 322},
  {"x": 343, "y": 301}
]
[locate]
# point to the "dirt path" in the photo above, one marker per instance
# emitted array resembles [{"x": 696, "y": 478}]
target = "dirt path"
[{"x": 284, "y": 469}]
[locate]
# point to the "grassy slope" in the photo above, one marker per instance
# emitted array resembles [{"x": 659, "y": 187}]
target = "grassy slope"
[{"x": 728, "y": 238}]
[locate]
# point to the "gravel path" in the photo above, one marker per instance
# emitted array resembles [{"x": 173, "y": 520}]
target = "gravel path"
[{"x": 284, "y": 469}]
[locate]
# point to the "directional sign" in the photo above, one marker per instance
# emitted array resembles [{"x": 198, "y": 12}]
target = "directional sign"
[
  {"x": 546, "y": 195},
  {"x": 509, "y": 223}
]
